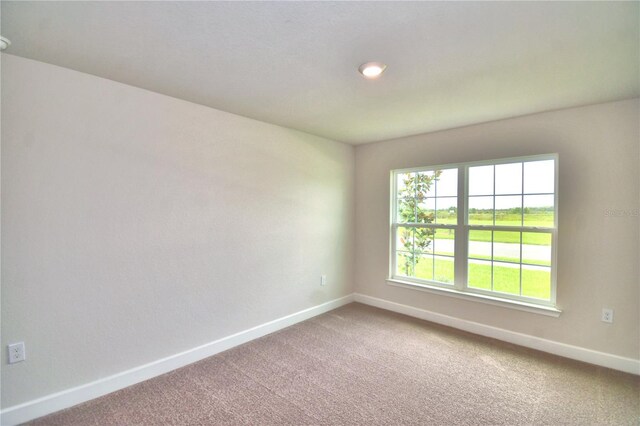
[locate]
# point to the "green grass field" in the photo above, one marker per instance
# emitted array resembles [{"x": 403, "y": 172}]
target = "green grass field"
[
  {"x": 541, "y": 219},
  {"x": 537, "y": 262},
  {"x": 531, "y": 238},
  {"x": 534, "y": 238},
  {"x": 536, "y": 282},
  {"x": 506, "y": 278}
]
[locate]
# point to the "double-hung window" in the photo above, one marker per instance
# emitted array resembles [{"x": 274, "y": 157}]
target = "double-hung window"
[{"x": 486, "y": 229}]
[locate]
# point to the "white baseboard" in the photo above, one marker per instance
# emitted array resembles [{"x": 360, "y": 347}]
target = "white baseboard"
[
  {"x": 51, "y": 403},
  {"x": 628, "y": 365}
]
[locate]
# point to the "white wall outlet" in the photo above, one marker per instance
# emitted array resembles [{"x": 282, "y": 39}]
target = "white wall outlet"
[
  {"x": 323, "y": 280},
  {"x": 607, "y": 315},
  {"x": 16, "y": 352}
]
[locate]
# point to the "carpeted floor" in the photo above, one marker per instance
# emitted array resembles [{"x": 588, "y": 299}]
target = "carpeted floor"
[{"x": 365, "y": 366}]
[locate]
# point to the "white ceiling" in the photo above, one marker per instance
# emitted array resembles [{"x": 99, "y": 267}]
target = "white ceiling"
[{"x": 295, "y": 64}]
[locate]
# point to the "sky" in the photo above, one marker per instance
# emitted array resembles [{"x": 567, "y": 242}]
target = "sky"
[{"x": 538, "y": 177}]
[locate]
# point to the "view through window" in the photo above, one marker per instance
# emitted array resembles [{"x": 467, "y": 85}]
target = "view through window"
[{"x": 485, "y": 228}]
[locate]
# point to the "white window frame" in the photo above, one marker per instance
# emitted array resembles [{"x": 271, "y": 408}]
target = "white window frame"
[{"x": 459, "y": 288}]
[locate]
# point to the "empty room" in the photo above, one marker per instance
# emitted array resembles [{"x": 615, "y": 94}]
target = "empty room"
[{"x": 320, "y": 213}]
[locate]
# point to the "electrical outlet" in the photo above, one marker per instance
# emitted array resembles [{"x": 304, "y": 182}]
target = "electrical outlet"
[
  {"x": 607, "y": 315},
  {"x": 323, "y": 280},
  {"x": 16, "y": 352}
]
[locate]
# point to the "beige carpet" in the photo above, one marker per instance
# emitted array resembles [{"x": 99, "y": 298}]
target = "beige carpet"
[{"x": 361, "y": 365}]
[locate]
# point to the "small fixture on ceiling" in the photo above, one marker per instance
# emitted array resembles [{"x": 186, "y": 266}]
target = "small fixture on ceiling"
[
  {"x": 4, "y": 43},
  {"x": 372, "y": 70}
]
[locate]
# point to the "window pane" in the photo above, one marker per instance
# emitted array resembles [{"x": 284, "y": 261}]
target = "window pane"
[
  {"x": 406, "y": 211},
  {"x": 481, "y": 180},
  {"x": 444, "y": 242},
  {"x": 502, "y": 200},
  {"x": 424, "y": 267},
  {"x": 536, "y": 248},
  {"x": 423, "y": 240},
  {"x": 479, "y": 274},
  {"x": 426, "y": 210},
  {"x": 506, "y": 246},
  {"x": 425, "y": 184},
  {"x": 404, "y": 264},
  {"x": 509, "y": 210},
  {"x": 481, "y": 210},
  {"x": 506, "y": 278},
  {"x": 509, "y": 178},
  {"x": 404, "y": 182},
  {"x": 538, "y": 210},
  {"x": 447, "y": 183},
  {"x": 539, "y": 177},
  {"x": 480, "y": 244},
  {"x": 404, "y": 240},
  {"x": 536, "y": 282},
  {"x": 443, "y": 269},
  {"x": 447, "y": 210}
]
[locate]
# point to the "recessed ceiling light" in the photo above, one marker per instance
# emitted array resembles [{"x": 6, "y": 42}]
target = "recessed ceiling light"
[
  {"x": 372, "y": 70},
  {"x": 4, "y": 43}
]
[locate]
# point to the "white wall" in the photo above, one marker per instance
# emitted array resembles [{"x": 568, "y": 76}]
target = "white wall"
[
  {"x": 136, "y": 226},
  {"x": 598, "y": 255}
]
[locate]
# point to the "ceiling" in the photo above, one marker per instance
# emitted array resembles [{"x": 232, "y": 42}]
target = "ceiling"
[{"x": 295, "y": 64}]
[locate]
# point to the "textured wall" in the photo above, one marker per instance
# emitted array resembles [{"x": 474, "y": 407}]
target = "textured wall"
[
  {"x": 599, "y": 161},
  {"x": 136, "y": 226}
]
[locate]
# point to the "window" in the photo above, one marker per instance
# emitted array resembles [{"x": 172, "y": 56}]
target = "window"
[{"x": 484, "y": 228}]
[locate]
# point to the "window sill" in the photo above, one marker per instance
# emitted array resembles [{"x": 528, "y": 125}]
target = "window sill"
[{"x": 496, "y": 301}]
